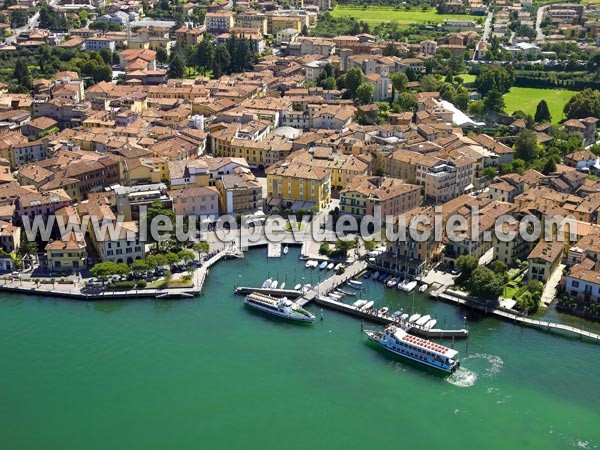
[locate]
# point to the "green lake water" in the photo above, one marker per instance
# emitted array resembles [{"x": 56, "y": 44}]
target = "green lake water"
[{"x": 210, "y": 374}]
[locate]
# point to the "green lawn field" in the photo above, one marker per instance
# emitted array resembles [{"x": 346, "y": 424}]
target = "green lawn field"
[
  {"x": 401, "y": 16},
  {"x": 467, "y": 77},
  {"x": 526, "y": 100}
]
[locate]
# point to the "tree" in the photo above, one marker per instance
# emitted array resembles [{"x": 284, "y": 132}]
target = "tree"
[
  {"x": 186, "y": 255},
  {"x": 21, "y": 74},
  {"x": 498, "y": 267},
  {"x": 139, "y": 266},
  {"x": 406, "y": 102},
  {"x": 177, "y": 67},
  {"x": 106, "y": 54},
  {"x": 484, "y": 283},
  {"x": 155, "y": 210},
  {"x": 221, "y": 61},
  {"x": 108, "y": 268},
  {"x": 161, "y": 55},
  {"x": 354, "y": 78},
  {"x": 494, "y": 101},
  {"x": 494, "y": 78},
  {"x": 18, "y": 18},
  {"x": 429, "y": 83},
  {"x": 466, "y": 264},
  {"x": 172, "y": 258},
  {"x": 526, "y": 145},
  {"x": 549, "y": 167},
  {"x": 461, "y": 101},
  {"x": 399, "y": 81},
  {"x": 411, "y": 74},
  {"x": 490, "y": 172},
  {"x": 364, "y": 93},
  {"x": 583, "y": 104},
  {"x": 328, "y": 84},
  {"x": 205, "y": 53},
  {"x": 542, "y": 113},
  {"x": 476, "y": 108},
  {"x": 202, "y": 247}
]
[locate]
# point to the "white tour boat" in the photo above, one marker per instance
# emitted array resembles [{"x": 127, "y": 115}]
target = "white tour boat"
[
  {"x": 280, "y": 307},
  {"x": 399, "y": 342}
]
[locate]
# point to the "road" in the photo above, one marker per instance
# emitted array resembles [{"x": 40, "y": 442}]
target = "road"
[
  {"x": 539, "y": 34},
  {"x": 487, "y": 28},
  {"x": 32, "y": 23}
]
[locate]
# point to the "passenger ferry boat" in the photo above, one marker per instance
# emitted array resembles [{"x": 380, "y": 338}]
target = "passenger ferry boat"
[
  {"x": 399, "y": 342},
  {"x": 280, "y": 307}
]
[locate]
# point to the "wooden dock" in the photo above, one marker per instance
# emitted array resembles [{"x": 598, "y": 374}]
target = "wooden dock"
[
  {"x": 513, "y": 316},
  {"x": 274, "y": 250}
]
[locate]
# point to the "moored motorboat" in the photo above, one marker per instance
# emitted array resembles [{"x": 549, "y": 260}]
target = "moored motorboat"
[
  {"x": 392, "y": 282},
  {"x": 423, "y": 320},
  {"x": 282, "y": 285},
  {"x": 404, "y": 316},
  {"x": 286, "y": 249},
  {"x": 274, "y": 284},
  {"x": 298, "y": 287},
  {"x": 376, "y": 275},
  {"x": 429, "y": 325},
  {"x": 398, "y": 341},
  {"x": 359, "y": 303},
  {"x": 410, "y": 286},
  {"x": 280, "y": 307},
  {"x": 414, "y": 318},
  {"x": 330, "y": 266},
  {"x": 323, "y": 265},
  {"x": 355, "y": 284},
  {"x": 267, "y": 283},
  {"x": 383, "y": 311},
  {"x": 368, "y": 306},
  {"x": 423, "y": 288},
  {"x": 401, "y": 284}
]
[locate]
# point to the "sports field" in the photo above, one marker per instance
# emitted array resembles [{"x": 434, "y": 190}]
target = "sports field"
[
  {"x": 526, "y": 100},
  {"x": 374, "y": 14}
]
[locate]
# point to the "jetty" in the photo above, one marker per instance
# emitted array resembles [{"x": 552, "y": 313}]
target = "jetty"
[
  {"x": 332, "y": 283},
  {"x": 289, "y": 293},
  {"x": 464, "y": 300},
  {"x": 373, "y": 316}
]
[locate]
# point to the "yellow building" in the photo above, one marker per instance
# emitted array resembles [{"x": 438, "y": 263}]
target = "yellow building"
[
  {"x": 298, "y": 186},
  {"x": 67, "y": 255},
  {"x": 280, "y": 23},
  {"x": 146, "y": 170}
]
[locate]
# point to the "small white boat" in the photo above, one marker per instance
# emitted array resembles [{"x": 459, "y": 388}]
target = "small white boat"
[
  {"x": 298, "y": 287},
  {"x": 429, "y": 325},
  {"x": 423, "y": 320},
  {"x": 383, "y": 311},
  {"x": 338, "y": 266},
  {"x": 308, "y": 264},
  {"x": 282, "y": 285},
  {"x": 355, "y": 284},
  {"x": 392, "y": 282},
  {"x": 423, "y": 288},
  {"x": 404, "y": 316},
  {"x": 340, "y": 293},
  {"x": 368, "y": 306},
  {"x": 401, "y": 284},
  {"x": 323, "y": 265},
  {"x": 359, "y": 303},
  {"x": 286, "y": 249},
  {"x": 410, "y": 286},
  {"x": 311, "y": 264},
  {"x": 335, "y": 296},
  {"x": 306, "y": 288},
  {"x": 414, "y": 317},
  {"x": 376, "y": 275},
  {"x": 274, "y": 284},
  {"x": 267, "y": 283},
  {"x": 330, "y": 266}
]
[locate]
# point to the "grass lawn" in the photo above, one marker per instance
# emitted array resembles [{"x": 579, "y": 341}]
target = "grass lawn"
[
  {"x": 376, "y": 15},
  {"x": 510, "y": 289},
  {"x": 467, "y": 77},
  {"x": 526, "y": 100}
]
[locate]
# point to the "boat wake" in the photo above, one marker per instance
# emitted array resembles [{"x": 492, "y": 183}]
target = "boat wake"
[
  {"x": 462, "y": 378},
  {"x": 477, "y": 364}
]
